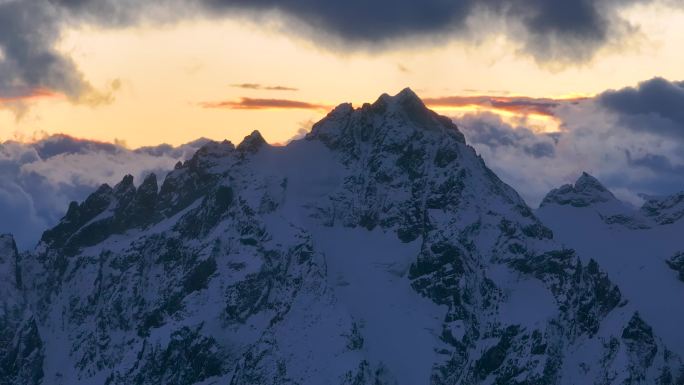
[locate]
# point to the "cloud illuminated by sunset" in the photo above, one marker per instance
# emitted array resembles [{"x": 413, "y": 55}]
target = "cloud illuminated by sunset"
[
  {"x": 258, "y": 69},
  {"x": 264, "y": 104},
  {"x": 28, "y": 96}
]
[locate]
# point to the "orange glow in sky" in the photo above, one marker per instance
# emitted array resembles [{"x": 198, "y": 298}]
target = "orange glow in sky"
[{"x": 166, "y": 77}]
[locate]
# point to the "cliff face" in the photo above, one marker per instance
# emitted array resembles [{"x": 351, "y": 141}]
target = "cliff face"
[{"x": 21, "y": 346}]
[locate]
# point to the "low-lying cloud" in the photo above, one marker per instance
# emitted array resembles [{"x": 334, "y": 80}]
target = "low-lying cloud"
[
  {"x": 631, "y": 139},
  {"x": 38, "y": 180},
  {"x": 489, "y": 130}
]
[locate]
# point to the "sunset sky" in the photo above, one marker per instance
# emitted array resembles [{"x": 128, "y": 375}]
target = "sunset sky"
[{"x": 145, "y": 75}]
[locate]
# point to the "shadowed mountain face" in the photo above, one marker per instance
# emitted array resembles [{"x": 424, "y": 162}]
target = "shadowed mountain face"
[
  {"x": 39, "y": 179},
  {"x": 378, "y": 250},
  {"x": 640, "y": 249},
  {"x": 586, "y": 191}
]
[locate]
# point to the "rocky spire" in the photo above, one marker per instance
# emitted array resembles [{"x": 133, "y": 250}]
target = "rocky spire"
[
  {"x": 586, "y": 191},
  {"x": 78, "y": 215},
  {"x": 8, "y": 261},
  {"x": 7, "y": 246},
  {"x": 252, "y": 142},
  {"x": 399, "y": 115},
  {"x": 589, "y": 184}
]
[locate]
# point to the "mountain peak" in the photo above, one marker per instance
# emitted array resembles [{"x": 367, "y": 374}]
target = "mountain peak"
[
  {"x": 405, "y": 98},
  {"x": 125, "y": 184},
  {"x": 208, "y": 155},
  {"x": 402, "y": 114},
  {"x": 586, "y": 191},
  {"x": 252, "y": 142},
  {"x": 149, "y": 183},
  {"x": 407, "y": 94},
  {"x": 589, "y": 183}
]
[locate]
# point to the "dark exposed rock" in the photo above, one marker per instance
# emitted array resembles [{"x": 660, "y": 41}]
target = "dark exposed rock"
[
  {"x": 665, "y": 211},
  {"x": 585, "y": 293},
  {"x": 21, "y": 347},
  {"x": 641, "y": 345},
  {"x": 189, "y": 358},
  {"x": 676, "y": 263},
  {"x": 78, "y": 215},
  {"x": 586, "y": 191},
  {"x": 252, "y": 142}
]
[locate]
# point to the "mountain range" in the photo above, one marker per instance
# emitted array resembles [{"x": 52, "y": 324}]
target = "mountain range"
[
  {"x": 38, "y": 179},
  {"x": 379, "y": 249}
]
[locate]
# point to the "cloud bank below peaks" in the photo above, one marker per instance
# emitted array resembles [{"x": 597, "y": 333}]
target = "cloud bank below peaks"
[
  {"x": 632, "y": 139},
  {"x": 38, "y": 180}
]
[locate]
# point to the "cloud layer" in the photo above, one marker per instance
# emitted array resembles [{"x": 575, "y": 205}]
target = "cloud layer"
[
  {"x": 549, "y": 31},
  {"x": 517, "y": 104},
  {"x": 655, "y": 105},
  {"x": 631, "y": 139},
  {"x": 38, "y": 180}
]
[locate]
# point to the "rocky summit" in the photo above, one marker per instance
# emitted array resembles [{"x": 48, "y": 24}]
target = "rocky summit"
[
  {"x": 639, "y": 248},
  {"x": 377, "y": 250}
]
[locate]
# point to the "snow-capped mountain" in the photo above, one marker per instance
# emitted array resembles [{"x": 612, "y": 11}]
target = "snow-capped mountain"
[
  {"x": 663, "y": 211},
  {"x": 378, "y": 250},
  {"x": 646, "y": 261},
  {"x": 587, "y": 191}
]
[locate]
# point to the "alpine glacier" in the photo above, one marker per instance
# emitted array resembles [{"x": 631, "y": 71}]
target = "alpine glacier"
[{"x": 379, "y": 249}]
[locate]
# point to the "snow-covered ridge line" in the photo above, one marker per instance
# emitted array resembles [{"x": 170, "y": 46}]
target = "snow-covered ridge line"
[
  {"x": 639, "y": 248},
  {"x": 588, "y": 192}
]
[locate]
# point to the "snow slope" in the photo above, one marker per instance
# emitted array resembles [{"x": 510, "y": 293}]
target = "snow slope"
[{"x": 634, "y": 257}]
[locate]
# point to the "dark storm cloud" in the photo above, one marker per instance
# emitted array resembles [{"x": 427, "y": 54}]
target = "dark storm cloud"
[
  {"x": 549, "y": 30},
  {"x": 28, "y": 32},
  {"x": 30, "y": 65},
  {"x": 655, "y": 106}
]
